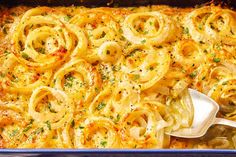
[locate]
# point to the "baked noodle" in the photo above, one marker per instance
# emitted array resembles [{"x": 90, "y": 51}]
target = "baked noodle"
[{"x": 76, "y": 77}]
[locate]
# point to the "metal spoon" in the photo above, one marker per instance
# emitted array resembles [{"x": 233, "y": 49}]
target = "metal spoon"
[{"x": 205, "y": 110}]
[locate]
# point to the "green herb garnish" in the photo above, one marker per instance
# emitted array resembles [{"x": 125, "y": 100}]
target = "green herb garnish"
[
  {"x": 103, "y": 143},
  {"x": 67, "y": 18},
  {"x": 100, "y": 106},
  {"x": 216, "y": 60},
  {"x": 14, "y": 132},
  {"x": 143, "y": 41},
  {"x": 193, "y": 74},
  {"x": 27, "y": 128},
  {"x": 25, "y": 56},
  {"x": 48, "y": 125},
  {"x": 186, "y": 30}
]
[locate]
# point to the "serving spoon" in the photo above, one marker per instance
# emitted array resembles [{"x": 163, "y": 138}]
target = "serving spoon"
[{"x": 205, "y": 110}]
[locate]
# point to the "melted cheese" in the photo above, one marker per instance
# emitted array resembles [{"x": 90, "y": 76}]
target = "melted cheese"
[{"x": 74, "y": 77}]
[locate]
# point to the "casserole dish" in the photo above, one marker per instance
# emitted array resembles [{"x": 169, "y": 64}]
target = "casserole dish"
[{"x": 139, "y": 152}]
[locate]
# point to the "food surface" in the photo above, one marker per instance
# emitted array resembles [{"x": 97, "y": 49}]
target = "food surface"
[{"x": 75, "y": 77}]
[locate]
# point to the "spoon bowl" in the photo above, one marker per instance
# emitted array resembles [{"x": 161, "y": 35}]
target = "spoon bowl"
[{"x": 205, "y": 111}]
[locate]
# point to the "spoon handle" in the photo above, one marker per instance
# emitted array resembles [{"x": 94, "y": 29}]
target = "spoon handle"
[{"x": 225, "y": 122}]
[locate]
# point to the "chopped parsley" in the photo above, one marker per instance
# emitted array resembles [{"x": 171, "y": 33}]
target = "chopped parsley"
[
  {"x": 50, "y": 108},
  {"x": 6, "y": 52},
  {"x": 100, "y": 106},
  {"x": 96, "y": 89},
  {"x": 143, "y": 41},
  {"x": 15, "y": 79},
  {"x": 186, "y": 30},
  {"x": 41, "y": 50},
  {"x": 200, "y": 26},
  {"x": 218, "y": 46},
  {"x": 48, "y": 125},
  {"x": 39, "y": 130},
  {"x": 27, "y": 128},
  {"x": 69, "y": 78},
  {"x": 69, "y": 81},
  {"x": 132, "y": 53},
  {"x": 225, "y": 83},
  {"x": 67, "y": 18},
  {"x": 136, "y": 76},
  {"x": 193, "y": 74},
  {"x": 2, "y": 74},
  {"x": 14, "y": 133},
  {"x": 117, "y": 118},
  {"x": 103, "y": 143},
  {"x": 216, "y": 60},
  {"x": 116, "y": 67},
  {"x": 25, "y": 56}
]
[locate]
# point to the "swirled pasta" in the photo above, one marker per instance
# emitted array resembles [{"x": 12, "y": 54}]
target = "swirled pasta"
[
  {"x": 12, "y": 119},
  {"x": 97, "y": 132},
  {"x": 76, "y": 77},
  {"x": 224, "y": 92},
  {"x": 152, "y": 27},
  {"x": 19, "y": 78},
  {"x": 212, "y": 24},
  {"x": 99, "y": 27},
  {"x": 43, "y": 41},
  {"x": 59, "y": 106},
  {"x": 143, "y": 127},
  {"x": 146, "y": 65},
  {"x": 187, "y": 52},
  {"x": 79, "y": 79}
]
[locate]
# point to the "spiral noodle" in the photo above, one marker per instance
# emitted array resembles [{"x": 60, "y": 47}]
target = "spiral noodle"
[
  {"x": 146, "y": 66},
  {"x": 97, "y": 132},
  {"x": 213, "y": 75},
  {"x": 11, "y": 117},
  {"x": 221, "y": 26},
  {"x": 99, "y": 27},
  {"x": 79, "y": 79},
  {"x": 42, "y": 41},
  {"x": 187, "y": 52},
  {"x": 143, "y": 127},
  {"x": 212, "y": 24},
  {"x": 19, "y": 78},
  {"x": 224, "y": 92},
  {"x": 111, "y": 102},
  {"x": 59, "y": 108},
  {"x": 151, "y": 27},
  {"x": 10, "y": 114}
]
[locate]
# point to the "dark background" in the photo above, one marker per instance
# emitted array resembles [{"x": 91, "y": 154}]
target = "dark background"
[{"x": 112, "y": 3}]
